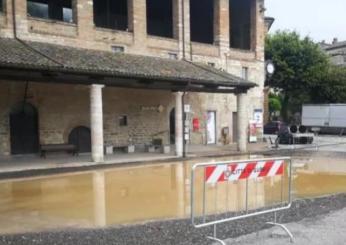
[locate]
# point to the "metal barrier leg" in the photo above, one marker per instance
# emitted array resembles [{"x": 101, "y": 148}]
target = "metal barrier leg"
[
  {"x": 214, "y": 238},
  {"x": 284, "y": 228}
]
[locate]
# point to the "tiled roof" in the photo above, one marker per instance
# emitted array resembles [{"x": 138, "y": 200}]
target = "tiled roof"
[
  {"x": 335, "y": 45},
  {"x": 44, "y": 56}
]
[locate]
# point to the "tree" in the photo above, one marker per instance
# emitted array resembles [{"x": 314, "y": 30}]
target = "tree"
[
  {"x": 274, "y": 104},
  {"x": 332, "y": 88},
  {"x": 300, "y": 67}
]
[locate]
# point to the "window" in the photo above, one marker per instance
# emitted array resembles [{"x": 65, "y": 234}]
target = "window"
[
  {"x": 202, "y": 21},
  {"x": 160, "y": 18},
  {"x": 111, "y": 14},
  {"x": 240, "y": 24},
  {"x": 173, "y": 56},
  {"x": 245, "y": 73},
  {"x": 123, "y": 121},
  {"x": 1, "y": 5},
  {"x": 118, "y": 49},
  {"x": 51, "y": 9}
]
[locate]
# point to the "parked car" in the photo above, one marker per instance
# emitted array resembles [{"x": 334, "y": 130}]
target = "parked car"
[{"x": 275, "y": 127}]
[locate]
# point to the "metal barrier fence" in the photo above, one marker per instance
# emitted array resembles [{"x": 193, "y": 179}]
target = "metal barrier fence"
[{"x": 226, "y": 191}]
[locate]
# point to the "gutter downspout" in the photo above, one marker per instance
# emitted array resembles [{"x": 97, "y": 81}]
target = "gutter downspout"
[
  {"x": 183, "y": 26},
  {"x": 15, "y": 35},
  {"x": 14, "y": 23},
  {"x": 183, "y": 122},
  {"x": 14, "y": 19},
  {"x": 184, "y": 58}
]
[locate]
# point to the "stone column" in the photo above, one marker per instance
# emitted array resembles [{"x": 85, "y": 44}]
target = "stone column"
[
  {"x": 242, "y": 122},
  {"x": 96, "y": 122},
  {"x": 178, "y": 124}
]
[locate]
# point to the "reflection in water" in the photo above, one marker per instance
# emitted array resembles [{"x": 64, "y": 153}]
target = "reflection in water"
[
  {"x": 141, "y": 193},
  {"x": 99, "y": 198},
  {"x": 311, "y": 184}
]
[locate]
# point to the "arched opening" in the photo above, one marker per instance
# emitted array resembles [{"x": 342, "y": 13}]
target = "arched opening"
[
  {"x": 81, "y": 137},
  {"x": 172, "y": 126},
  {"x": 24, "y": 129}
]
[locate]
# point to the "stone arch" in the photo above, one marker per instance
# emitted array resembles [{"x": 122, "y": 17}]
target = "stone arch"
[{"x": 80, "y": 136}]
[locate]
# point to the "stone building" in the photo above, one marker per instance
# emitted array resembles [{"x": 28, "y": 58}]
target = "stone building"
[
  {"x": 115, "y": 73},
  {"x": 336, "y": 50}
]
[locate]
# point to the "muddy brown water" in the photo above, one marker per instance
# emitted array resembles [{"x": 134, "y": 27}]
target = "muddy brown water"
[{"x": 135, "y": 194}]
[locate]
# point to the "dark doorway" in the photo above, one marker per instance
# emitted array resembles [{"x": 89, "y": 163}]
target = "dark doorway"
[
  {"x": 202, "y": 21},
  {"x": 24, "y": 129},
  {"x": 81, "y": 137},
  {"x": 172, "y": 126},
  {"x": 160, "y": 18}
]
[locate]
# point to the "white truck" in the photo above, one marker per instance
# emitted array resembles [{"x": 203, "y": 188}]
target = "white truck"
[{"x": 328, "y": 118}]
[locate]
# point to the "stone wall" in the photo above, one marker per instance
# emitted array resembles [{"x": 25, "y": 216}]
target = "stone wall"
[
  {"x": 64, "y": 107},
  {"x": 83, "y": 34}
]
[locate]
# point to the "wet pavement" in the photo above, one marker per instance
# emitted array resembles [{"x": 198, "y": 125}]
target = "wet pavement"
[
  {"x": 323, "y": 230},
  {"x": 138, "y": 194},
  {"x": 27, "y": 165}
]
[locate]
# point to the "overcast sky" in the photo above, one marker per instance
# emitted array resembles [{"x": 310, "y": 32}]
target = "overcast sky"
[{"x": 319, "y": 19}]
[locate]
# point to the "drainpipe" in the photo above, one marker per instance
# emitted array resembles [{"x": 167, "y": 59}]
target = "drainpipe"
[
  {"x": 183, "y": 26},
  {"x": 14, "y": 19},
  {"x": 15, "y": 34},
  {"x": 183, "y": 121},
  {"x": 14, "y": 23}
]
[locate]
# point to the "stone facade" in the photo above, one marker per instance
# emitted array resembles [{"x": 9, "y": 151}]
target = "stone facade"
[
  {"x": 337, "y": 52},
  {"x": 64, "y": 107},
  {"x": 58, "y": 116}
]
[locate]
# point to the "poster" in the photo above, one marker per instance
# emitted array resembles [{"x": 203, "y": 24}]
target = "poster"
[
  {"x": 252, "y": 131},
  {"x": 211, "y": 127},
  {"x": 258, "y": 117}
]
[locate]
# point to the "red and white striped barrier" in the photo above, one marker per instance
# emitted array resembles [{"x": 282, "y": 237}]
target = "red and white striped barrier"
[{"x": 239, "y": 171}]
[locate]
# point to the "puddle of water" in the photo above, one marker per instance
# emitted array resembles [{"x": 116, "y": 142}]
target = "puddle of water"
[{"x": 151, "y": 192}]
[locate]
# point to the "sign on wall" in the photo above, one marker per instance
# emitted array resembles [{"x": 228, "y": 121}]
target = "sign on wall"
[
  {"x": 252, "y": 131},
  {"x": 258, "y": 117},
  {"x": 187, "y": 108}
]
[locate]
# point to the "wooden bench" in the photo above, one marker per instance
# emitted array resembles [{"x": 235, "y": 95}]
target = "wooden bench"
[
  {"x": 58, "y": 148},
  {"x": 125, "y": 148}
]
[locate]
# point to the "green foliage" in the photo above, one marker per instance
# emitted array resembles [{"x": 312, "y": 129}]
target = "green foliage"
[
  {"x": 300, "y": 63},
  {"x": 332, "y": 88},
  {"x": 303, "y": 72},
  {"x": 274, "y": 103}
]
